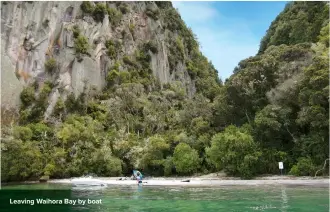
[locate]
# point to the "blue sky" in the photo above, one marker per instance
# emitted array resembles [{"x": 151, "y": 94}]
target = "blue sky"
[{"x": 228, "y": 31}]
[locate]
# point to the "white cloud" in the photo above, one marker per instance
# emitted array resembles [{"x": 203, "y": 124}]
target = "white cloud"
[
  {"x": 196, "y": 11},
  {"x": 226, "y": 48},
  {"x": 224, "y": 41}
]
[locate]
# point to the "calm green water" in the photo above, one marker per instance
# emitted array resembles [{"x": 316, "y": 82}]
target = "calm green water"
[{"x": 170, "y": 199}]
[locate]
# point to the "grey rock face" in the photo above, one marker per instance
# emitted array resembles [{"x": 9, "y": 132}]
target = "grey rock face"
[{"x": 32, "y": 33}]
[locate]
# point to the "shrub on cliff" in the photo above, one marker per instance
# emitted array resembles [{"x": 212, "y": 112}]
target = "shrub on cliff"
[
  {"x": 128, "y": 61},
  {"x": 131, "y": 28},
  {"x": 152, "y": 13},
  {"x": 163, "y": 4},
  {"x": 123, "y": 7},
  {"x": 76, "y": 31},
  {"x": 27, "y": 96},
  {"x": 114, "y": 16},
  {"x": 87, "y": 7},
  {"x": 50, "y": 65},
  {"x": 59, "y": 107},
  {"x": 114, "y": 48},
  {"x": 152, "y": 46},
  {"x": 99, "y": 12},
  {"x": 81, "y": 45}
]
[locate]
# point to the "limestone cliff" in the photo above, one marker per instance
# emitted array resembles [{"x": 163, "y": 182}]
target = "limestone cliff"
[{"x": 34, "y": 32}]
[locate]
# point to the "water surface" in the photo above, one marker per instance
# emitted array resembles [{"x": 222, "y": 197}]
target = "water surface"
[{"x": 173, "y": 199}]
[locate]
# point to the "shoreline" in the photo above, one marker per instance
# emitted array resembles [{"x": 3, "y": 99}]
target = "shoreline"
[
  {"x": 203, "y": 181},
  {"x": 213, "y": 182}
]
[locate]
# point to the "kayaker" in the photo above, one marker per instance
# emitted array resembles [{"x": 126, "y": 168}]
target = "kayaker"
[{"x": 138, "y": 177}]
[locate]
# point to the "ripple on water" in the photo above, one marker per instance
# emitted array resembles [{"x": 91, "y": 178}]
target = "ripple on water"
[{"x": 225, "y": 198}]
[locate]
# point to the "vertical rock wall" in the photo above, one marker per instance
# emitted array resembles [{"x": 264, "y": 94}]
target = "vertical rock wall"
[{"x": 33, "y": 32}]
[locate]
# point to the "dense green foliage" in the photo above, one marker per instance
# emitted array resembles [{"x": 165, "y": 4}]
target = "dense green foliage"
[
  {"x": 185, "y": 159},
  {"x": 99, "y": 10},
  {"x": 150, "y": 46},
  {"x": 235, "y": 151},
  {"x": 32, "y": 108},
  {"x": 81, "y": 45},
  {"x": 283, "y": 95},
  {"x": 27, "y": 96},
  {"x": 273, "y": 108},
  {"x": 50, "y": 65},
  {"x": 76, "y": 31},
  {"x": 87, "y": 7},
  {"x": 114, "y": 16},
  {"x": 299, "y": 22},
  {"x": 304, "y": 167},
  {"x": 113, "y": 48}
]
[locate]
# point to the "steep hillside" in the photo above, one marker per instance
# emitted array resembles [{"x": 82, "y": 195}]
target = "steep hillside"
[
  {"x": 99, "y": 87},
  {"x": 108, "y": 87},
  {"x": 282, "y": 94},
  {"x": 75, "y": 46},
  {"x": 299, "y": 22}
]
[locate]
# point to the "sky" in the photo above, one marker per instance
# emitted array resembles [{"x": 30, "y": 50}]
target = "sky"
[{"x": 228, "y": 31}]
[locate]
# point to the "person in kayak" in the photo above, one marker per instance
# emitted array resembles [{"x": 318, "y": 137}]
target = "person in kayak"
[{"x": 138, "y": 177}]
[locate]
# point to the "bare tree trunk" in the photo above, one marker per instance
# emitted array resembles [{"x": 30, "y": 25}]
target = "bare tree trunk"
[
  {"x": 325, "y": 163},
  {"x": 248, "y": 118},
  {"x": 287, "y": 129}
]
